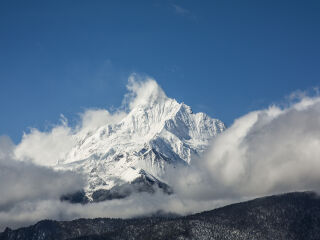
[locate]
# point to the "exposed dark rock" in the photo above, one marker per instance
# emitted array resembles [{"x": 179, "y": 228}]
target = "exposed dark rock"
[
  {"x": 140, "y": 184},
  {"x": 77, "y": 197},
  {"x": 117, "y": 192}
]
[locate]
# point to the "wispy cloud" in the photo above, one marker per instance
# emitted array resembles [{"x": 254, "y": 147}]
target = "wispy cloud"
[{"x": 180, "y": 10}]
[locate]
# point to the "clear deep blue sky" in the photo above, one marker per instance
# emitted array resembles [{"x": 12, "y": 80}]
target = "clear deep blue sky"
[{"x": 221, "y": 57}]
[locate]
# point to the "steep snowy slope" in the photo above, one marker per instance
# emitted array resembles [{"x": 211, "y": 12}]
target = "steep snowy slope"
[{"x": 156, "y": 134}]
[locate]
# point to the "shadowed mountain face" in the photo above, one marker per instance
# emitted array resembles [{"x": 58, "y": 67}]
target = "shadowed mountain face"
[{"x": 286, "y": 216}]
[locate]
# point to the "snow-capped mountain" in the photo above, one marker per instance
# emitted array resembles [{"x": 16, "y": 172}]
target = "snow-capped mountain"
[{"x": 156, "y": 134}]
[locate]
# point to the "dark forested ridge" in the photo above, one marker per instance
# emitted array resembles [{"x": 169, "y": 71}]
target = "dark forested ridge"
[{"x": 287, "y": 216}]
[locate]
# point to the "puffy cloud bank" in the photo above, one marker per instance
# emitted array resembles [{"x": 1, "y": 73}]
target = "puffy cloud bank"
[
  {"x": 269, "y": 151},
  {"x": 278, "y": 150},
  {"x": 264, "y": 152},
  {"x": 24, "y": 184}
]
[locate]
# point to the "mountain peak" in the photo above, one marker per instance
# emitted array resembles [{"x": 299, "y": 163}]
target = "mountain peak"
[{"x": 156, "y": 134}]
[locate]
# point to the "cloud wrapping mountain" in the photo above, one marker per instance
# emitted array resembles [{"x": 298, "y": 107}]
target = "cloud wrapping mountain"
[{"x": 263, "y": 152}]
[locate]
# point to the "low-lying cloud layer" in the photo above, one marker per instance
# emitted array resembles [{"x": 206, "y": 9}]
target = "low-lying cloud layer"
[
  {"x": 23, "y": 184},
  {"x": 264, "y": 152}
]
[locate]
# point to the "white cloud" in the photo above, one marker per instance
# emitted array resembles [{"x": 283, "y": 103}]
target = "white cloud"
[
  {"x": 143, "y": 91},
  {"x": 22, "y": 182},
  {"x": 92, "y": 119},
  {"x": 143, "y": 204},
  {"x": 180, "y": 10},
  {"x": 264, "y": 152},
  {"x": 45, "y": 148}
]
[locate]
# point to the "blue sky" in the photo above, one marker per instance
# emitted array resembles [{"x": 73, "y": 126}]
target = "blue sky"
[{"x": 221, "y": 57}]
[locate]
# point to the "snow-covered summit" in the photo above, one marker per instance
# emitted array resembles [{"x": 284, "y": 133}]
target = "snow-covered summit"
[{"x": 155, "y": 134}]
